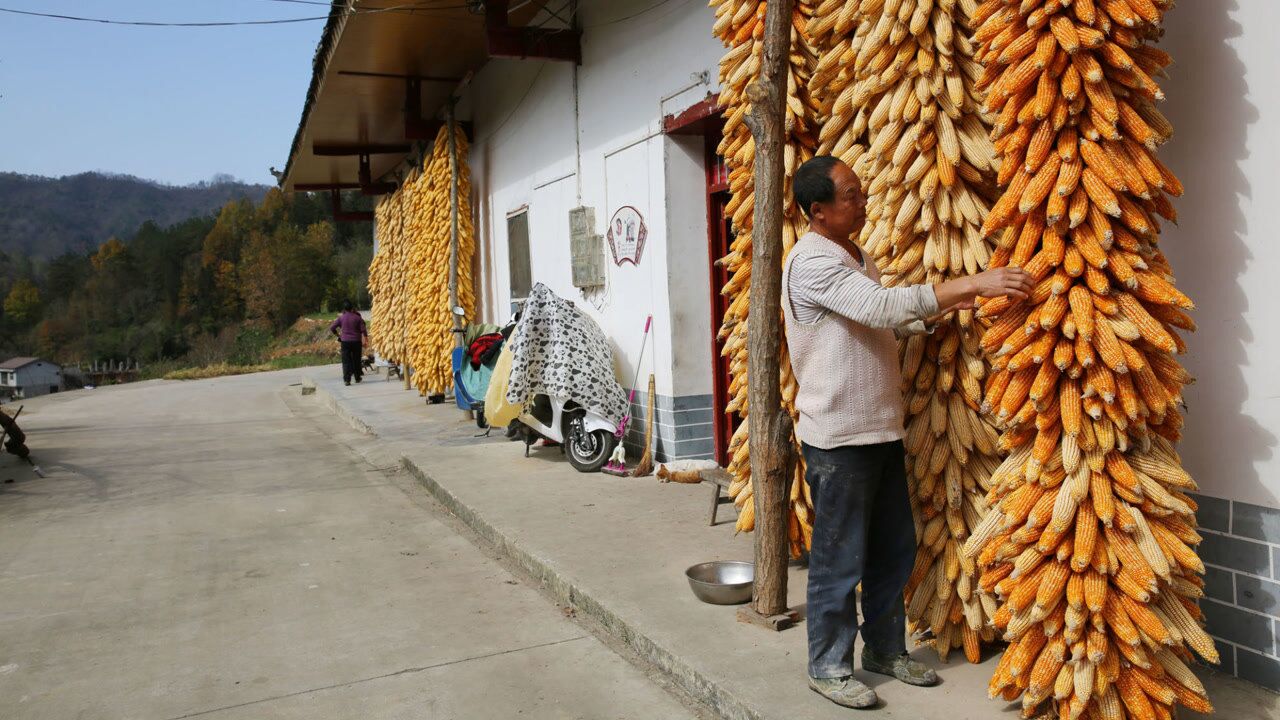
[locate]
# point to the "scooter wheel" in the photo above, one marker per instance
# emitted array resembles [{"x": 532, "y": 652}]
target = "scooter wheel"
[{"x": 586, "y": 450}]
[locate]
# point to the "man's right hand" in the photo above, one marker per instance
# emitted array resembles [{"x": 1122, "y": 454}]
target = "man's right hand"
[
  {"x": 959, "y": 293},
  {"x": 1012, "y": 281}
]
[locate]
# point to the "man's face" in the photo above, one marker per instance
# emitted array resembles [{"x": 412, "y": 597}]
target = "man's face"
[{"x": 847, "y": 211}]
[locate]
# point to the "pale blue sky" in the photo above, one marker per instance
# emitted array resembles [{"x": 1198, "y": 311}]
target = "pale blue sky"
[{"x": 170, "y": 104}]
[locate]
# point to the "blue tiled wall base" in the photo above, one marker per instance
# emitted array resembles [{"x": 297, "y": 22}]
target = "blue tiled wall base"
[
  {"x": 683, "y": 427},
  {"x": 1241, "y": 552}
]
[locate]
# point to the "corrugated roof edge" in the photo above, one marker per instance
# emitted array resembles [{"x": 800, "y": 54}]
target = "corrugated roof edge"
[
  {"x": 339, "y": 11},
  {"x": 17, "y": 363}
]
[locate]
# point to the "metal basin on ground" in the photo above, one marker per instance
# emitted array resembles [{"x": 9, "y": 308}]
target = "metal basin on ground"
[{"x": 722, "y": 582}]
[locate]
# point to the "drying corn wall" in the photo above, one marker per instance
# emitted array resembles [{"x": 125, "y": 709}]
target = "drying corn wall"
[
  {"x": 1087, "y": 563},
  {"x": 411, "y": 320}
]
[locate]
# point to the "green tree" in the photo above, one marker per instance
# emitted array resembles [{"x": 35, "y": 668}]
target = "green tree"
[
  {"x": 22, "y": 304},
  {"x": 109, "y": 254},
  {"x": 285, "y": 273},
  {"x": 351, "y": 274},
  {"x": 236, "y": 276},
  {"x": 65, "y": 274},
  {"x": 216, "y": 295}
]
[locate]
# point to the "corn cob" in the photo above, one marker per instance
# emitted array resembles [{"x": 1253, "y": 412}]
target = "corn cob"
[
  {"x": 739, "y": 25},
  {"x": 1063, "y": 82}
]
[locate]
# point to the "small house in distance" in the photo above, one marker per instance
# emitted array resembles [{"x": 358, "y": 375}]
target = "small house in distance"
[{"x": 27, "y": 377}]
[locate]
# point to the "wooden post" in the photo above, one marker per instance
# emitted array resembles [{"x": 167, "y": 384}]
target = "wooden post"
[
  {"x": 451, "y": 124},
  {"x": 770, "y": 429},
  {"x": 453, "y": 223}
]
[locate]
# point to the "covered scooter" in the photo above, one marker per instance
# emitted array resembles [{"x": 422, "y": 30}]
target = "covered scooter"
[{"x": 561, "y": 380}]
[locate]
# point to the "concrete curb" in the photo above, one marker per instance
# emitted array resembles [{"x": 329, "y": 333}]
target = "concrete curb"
[
  {"x": 331, "y": 402},
  {"x": 693, "y": 681}
]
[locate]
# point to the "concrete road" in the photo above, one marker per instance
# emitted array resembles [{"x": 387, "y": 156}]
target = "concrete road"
[{"x": 218, "y": 549}]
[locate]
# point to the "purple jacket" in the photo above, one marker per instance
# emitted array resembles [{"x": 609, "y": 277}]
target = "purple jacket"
[{"x": 350, "y": 326}]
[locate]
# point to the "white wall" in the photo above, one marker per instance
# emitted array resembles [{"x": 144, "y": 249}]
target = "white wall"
[
  {"x": 525, "y": 154},
  {"x": 1224, "y": 101}
]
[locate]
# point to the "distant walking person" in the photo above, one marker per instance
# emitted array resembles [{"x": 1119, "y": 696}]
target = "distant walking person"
[{"x": 350, "y": 330}]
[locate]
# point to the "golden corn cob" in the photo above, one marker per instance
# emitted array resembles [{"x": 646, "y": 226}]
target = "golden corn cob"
[{"x": 1071, "y": 83}]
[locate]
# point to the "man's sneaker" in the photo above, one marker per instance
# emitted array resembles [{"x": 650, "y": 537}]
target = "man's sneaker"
[
  {"x": 359, "y": 379},
  {"x": 847, "y": 691},
  {"x": 901, "y": 666},
  {"x": 347, "y": 382}
]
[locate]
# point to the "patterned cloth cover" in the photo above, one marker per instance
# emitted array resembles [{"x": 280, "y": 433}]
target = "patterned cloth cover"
[{"x": 558, "y": 350}]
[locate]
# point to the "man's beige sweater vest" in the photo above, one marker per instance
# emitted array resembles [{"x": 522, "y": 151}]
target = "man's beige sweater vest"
[{"x": 843, "y": 351}]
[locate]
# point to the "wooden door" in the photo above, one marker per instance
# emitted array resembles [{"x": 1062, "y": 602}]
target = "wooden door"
[{"x": 720, "y": 236}]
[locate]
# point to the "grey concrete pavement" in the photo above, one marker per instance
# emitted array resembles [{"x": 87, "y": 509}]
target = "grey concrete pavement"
[
  {"x": 616, "y": 548},
  {"x": 228, "y": 549}
]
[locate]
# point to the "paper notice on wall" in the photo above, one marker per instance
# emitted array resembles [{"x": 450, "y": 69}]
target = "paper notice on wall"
[
  {"x": 627, "y": 233},
  {"x": 586, "y": 248}
]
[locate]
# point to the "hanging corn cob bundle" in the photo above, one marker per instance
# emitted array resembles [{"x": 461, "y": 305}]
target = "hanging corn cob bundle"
[
  {"x": 422, "y": 258},
  {"x": 831, "y": 31},
  {"x": 895, "y": 88},
  {"x": 740, "y": 25},
  {"x": 430, "y": 333},
  {"x": 1089, "y": 543},
  {"x": 387, "y": 279}
]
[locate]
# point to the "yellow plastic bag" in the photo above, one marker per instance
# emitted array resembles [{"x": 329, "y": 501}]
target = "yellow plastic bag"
[{"x": 497, "y": 411}]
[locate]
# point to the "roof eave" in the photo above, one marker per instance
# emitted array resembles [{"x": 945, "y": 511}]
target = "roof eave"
[{"x": 339, "y": 12}]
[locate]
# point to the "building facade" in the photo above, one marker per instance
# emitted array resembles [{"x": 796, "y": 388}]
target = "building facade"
[
  {"x": 28, "y": 377},
  {"x": 552, "y": 136}
]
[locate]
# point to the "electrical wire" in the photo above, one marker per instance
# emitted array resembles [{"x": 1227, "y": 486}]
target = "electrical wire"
[
  {"x": 411, "y": 8},
  {"x": 150, "y": 23},
  {"x": 420, "y": 4},
  {"x": 636, "y": 14},
  {"x": 225, "y": 23},
  {"x": 555, "y": 14},
  {"x": 328, "y": 3},
  {"x": 494, "y": 133}
]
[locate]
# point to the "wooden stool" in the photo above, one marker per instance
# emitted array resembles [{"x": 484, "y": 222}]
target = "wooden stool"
[{"x": 719, "y": 480}]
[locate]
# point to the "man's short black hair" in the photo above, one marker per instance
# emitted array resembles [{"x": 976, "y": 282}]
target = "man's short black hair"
[
  {"x": 349, "y": 306},
  {"x": 812, "y": 182}
]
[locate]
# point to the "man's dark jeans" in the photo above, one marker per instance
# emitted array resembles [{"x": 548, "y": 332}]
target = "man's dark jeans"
[
  {"x": 862, "y": 532},
  {"x": 351, "y": 360}
]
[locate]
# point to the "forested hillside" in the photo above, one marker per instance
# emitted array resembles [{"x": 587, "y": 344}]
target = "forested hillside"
[
  {"x": 43, "y": 217},
  {"x": 204, "y": 289}
]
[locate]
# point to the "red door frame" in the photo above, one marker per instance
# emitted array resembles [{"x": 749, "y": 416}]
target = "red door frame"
[
  {"x": 703, "y": 118},
  {"x": 719, "y": 240}
]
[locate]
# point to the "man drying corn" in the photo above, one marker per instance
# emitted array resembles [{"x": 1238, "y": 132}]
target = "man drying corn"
[{"x": 841, "y": 325}]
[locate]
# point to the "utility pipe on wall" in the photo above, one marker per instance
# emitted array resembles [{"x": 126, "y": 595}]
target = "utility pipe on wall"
[{"x": 453, "y": 221}]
